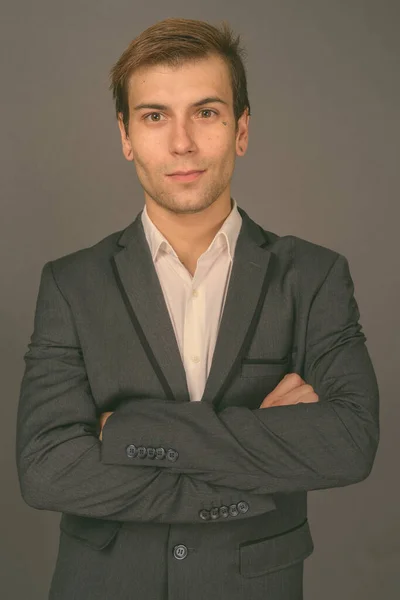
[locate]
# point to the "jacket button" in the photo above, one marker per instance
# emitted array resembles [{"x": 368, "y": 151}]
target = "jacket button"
[
  {"x": 172, "y": 455},
  {"x": 204, "y": 514},
  {"x": 180, "y": 552},
  {"x": 131, "y": 451},
  {"x": 142, "y": 452},
  {"x": 214, "y": 513},
  {"x": 243, "y": 507},
  {"x": 233, "y": 511},
  {"x": 160, "y": 453},
  {"x": 223, "y": 511},
  {"x": 151, "y": 452}
]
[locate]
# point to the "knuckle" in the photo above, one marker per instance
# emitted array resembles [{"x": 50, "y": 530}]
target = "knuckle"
[{"x": 295, "y": 377}]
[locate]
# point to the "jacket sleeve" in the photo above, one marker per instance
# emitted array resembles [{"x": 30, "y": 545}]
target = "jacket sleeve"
[
  {"x": 58, "y": 451},
  {"x": 292, "y": 448}
]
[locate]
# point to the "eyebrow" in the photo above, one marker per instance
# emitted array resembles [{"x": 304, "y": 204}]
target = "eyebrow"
[{"x": 207, "y": 100}]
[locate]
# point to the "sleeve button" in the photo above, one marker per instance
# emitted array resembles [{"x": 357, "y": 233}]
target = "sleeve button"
[
  {"x": 160, "y": 453},
  {"x": 131, "y": 451},
  {"x": 214, "y": 513},
  {"x": 233, "y": 511},
  {"x": 204, "y": 514},
  {"x": 243, "y": 507},
  {"x": 142, "y": 452},
  {"x": 151, "y": 452},
  {"x": 172, "y": 455}
]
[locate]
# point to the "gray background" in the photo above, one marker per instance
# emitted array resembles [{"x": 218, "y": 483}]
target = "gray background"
[{"x": 322, "y": 164}]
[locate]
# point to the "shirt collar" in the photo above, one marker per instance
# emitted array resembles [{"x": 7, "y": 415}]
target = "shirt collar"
[{"x": 226, "y": 236}]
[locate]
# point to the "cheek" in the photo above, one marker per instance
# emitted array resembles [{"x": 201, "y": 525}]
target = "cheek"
[
  {"x": 148, "y": 155},
  {"x": 219, "y": 146},
  {"x": 144, "y": 148}
]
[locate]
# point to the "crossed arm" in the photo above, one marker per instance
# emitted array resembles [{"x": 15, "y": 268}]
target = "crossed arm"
[
  {"x": 291, "y": 390},
  {"x": 237, "y": 454}
]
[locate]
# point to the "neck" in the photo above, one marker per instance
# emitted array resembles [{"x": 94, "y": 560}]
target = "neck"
[{"x": 190, "y": 234}]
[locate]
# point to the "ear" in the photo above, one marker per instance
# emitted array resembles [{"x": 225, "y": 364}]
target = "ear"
[
  {"x": 242, "y": 136},
  {"x": 126, "y": 144}
]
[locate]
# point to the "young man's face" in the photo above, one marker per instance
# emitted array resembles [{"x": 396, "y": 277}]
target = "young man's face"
[{"x": 178, "y": 136}]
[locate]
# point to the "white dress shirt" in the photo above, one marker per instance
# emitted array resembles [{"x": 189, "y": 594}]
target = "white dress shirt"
[{"x": 195, "y": 304}]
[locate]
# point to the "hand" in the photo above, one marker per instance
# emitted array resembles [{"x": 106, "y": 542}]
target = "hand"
[
  {"x": 292, "y": 389},
  {"x": 103, "y": 418}
]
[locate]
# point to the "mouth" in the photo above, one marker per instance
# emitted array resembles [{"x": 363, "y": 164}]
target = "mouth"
[{"x": 185, "y": 176}]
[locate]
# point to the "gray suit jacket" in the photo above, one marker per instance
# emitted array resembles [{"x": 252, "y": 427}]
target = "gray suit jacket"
[{"x": 191, "y": 499}]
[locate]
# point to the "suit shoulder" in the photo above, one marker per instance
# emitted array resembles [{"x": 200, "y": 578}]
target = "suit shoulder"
[
  {"x": 86, "y": 260},
  {"x": 306, "y": 256},
  {"x": 306, "y": 251}
]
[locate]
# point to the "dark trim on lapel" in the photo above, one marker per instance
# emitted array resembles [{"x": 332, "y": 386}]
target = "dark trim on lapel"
[
  {"x": 249, "y": 335},
  {"x": 154, "y": 363},
  {"x": 141, "y": 291},
  {"x": 140, "y": 288}
]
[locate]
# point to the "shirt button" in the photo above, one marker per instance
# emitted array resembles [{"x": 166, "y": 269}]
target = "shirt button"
[
  {"x": 195, "y": 359},
  {"x": 180, "y": 552},
  {"x": 195, "y": 293}
]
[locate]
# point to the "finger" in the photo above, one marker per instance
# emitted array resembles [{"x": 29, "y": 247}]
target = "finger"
[
  {"x": 308, "y": 398},
  {"x": 290, "y": 382},
  {"x": 105, "y": 415},
  {"x": 103, "y": 418},
  {"x": 294, "y": 396}
]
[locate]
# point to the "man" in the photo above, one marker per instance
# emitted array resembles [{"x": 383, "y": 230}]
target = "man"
[{"x": 190, "y": 378}]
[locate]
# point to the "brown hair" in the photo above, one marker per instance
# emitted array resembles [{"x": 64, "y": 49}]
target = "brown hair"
[{"x": 172, "y": 42}]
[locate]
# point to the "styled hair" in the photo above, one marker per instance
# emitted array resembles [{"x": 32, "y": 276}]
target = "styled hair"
[{"x": 173, "y": 42}]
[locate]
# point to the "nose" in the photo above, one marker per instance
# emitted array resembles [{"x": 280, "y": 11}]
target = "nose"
[{"x": 182, "y": 139}]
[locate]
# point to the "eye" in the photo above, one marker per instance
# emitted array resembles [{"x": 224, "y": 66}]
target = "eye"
[
  {"x": 146, "y": 117},
  {"x": 208, "y": 110},
  {"x": 149, "y": 117}
]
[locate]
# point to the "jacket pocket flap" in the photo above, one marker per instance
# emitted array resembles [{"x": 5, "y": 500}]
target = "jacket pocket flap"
[
  {"x": 94, "y": 532},
  {"x": 277, "y": 552},
  {"x": 264, "y": 367}
]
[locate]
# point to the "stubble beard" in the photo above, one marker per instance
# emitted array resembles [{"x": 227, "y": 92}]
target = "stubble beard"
[{"x": 197, "y": 202}]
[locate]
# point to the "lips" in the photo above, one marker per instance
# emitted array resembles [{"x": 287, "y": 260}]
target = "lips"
[
  {"x": 185, "y": 172},
  {"x": 185, "y": 176}
]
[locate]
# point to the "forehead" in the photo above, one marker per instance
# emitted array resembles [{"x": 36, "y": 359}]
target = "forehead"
[{"x": 191, "y": 79}]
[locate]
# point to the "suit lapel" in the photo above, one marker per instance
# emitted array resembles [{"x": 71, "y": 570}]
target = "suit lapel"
[{"x": 139, "y": 285}]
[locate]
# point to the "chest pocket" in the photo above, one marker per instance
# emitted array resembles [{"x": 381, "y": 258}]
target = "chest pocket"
[{"x": 264, "y": 367}]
